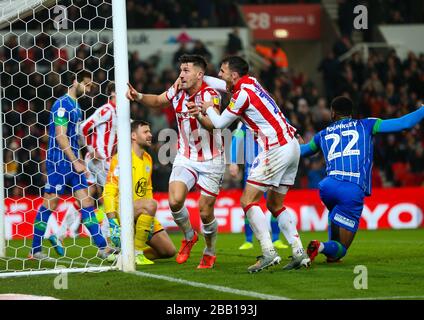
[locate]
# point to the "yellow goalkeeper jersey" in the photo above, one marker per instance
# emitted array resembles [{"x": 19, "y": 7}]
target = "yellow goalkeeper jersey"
[{"x": 141, "y": 184}]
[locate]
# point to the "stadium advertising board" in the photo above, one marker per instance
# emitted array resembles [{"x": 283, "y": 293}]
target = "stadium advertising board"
[
  {"x": 291, "y": 22},
  {"x": 402, "y": 210}
]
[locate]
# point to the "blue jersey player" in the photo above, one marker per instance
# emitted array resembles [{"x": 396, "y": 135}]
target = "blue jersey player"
[
  {"x": 347, "y": 145},
  {"x": 66, "y": 171},
  {"x": 243, "y": 141}
]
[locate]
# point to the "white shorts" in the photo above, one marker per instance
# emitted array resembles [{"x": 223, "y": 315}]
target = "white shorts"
[
  {"x": 275, "y": 168},
  {"x": 97, "y": 170},
  {"x": 208, "y": 175}
]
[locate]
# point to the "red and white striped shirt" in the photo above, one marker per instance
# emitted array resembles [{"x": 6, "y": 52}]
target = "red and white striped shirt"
[
  {"x": 195, "y": 142},
  {"x": 100, "y": 131},
  {"x": 260, "y": 113}
]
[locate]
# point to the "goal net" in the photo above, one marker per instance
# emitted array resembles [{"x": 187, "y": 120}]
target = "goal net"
[{"x": 43, "y": 46}]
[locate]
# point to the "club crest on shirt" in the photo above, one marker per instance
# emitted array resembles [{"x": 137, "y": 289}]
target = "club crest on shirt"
[{"x": 61, "y": 112}]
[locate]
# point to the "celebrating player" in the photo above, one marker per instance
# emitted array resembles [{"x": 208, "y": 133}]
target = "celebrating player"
[
  {"x": 243, "y": 141},
  {"x": 348, "y": 150},
  {"x": 65, "y": 170},
  {"x": 275, "y": 167},
  {"x": 148, "y": 229},
  {"x": 200, "y": 155}
]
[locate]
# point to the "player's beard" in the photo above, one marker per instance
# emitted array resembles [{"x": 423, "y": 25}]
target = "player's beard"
[
  {"x": 145, "y": 144},
  {"x": 79, "y": 92}
]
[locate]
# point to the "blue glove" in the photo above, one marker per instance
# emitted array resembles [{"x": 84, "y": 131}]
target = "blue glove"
[{"x": 115, "y": 232}]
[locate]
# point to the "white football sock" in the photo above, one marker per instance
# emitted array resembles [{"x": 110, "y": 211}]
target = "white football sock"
[
  {"x": 288, "y": 228},
  {"x": 210, "y": 231},
  {"x": 182, "y": 219},
  {"x": 259, "y": 224}
]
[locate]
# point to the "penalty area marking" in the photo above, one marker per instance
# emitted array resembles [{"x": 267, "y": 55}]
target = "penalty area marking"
[{"x": 252, "y": 294}]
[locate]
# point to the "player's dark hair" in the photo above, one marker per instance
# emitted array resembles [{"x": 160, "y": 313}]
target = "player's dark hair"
[
  {"x": 138, "y": 123},
  {"x": 83, "y": 74},
  {"x": 237, "y": 64},
  {"x": 110, "y": 88},
  {"x": 342, "y": 106},
  {"x": 195, "y": 59}
]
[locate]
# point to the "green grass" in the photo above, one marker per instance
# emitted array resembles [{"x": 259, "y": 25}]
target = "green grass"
[{"x": 394, "y": 261}]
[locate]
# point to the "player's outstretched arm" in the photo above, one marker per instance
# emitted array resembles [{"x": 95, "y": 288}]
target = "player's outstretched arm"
[
  {"x": 216, "y": 83},
  {"x": 219, "y": 121},
  {"x": 405, "y": 122},
  {"x": 238, "y": 104},
  {"x": 308, "y": 149},
  {"x": 150, "y": 100}
]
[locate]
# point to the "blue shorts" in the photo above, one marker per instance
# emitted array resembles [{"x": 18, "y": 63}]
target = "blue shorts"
[
  {"x": 62, "y": 178},
  {"x": 344, "y": 200}
]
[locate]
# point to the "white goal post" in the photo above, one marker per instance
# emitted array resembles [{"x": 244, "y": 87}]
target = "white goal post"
[{"x": 12, "y": 261}]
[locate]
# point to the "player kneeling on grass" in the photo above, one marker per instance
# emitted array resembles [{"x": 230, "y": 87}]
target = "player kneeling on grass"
[
  {"x": 150, "y": 242},
  {"x": 347, "y": 145}
]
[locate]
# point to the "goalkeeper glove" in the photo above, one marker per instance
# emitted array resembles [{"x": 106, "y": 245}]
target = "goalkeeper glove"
[{"x": 115, "y": 232}]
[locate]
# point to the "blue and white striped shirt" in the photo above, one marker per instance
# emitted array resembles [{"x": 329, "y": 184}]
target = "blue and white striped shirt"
[
  {"x": 65, "y": 112},
  {"x": 348, "y": 150}
]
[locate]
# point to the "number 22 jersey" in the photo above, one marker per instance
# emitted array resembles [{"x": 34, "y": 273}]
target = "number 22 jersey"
[{"x": 348, "y": 150}]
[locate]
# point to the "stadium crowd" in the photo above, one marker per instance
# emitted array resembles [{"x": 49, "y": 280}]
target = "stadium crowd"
[{"x": 384, "y": 86}]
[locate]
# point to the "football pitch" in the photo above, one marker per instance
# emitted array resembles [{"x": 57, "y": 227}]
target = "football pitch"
[{"x": 390, "y": 267}]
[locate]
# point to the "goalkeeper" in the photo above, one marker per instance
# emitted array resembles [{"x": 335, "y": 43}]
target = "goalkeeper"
[{"x": 151, "y": 240}]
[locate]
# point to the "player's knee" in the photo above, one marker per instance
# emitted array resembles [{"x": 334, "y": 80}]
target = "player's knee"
[
  {"x": 175, "y": 203},
  {"x": 166, "y": 250},
  {"x": 151, "y": 207},
  {"x": 170, "y": 251}
]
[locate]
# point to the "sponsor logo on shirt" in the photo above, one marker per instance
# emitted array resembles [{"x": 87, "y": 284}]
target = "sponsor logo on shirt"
[{"x": 141, "y": 187}]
